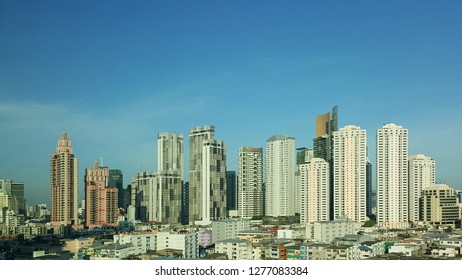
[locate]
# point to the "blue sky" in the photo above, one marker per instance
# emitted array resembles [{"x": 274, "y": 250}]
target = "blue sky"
[{"x": 113, "y": 74}]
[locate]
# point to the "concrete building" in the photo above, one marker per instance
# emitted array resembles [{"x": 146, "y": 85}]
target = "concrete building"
[
  {"x": 15, "y": 189},
  {"x": 439, "y": 207},
  {"x": 280, "y": 176},
  {"x": 205, "y": 237},
  {"x": 101, "y": 200},
  {"x": 170, "y": 153},
  {"x": 147, "y": 242},
  {"x": 7, "y": 202},
  {"x": 323, "y": 146},
  {"x": 64, "y": 183},
  {"x": 291, "y": 233},
  {"x": 235, "y": 249},
  {"x": 207, "y": 176},
  {"x": 115, "y": 252},
  {"x": 326, "y": 232},
  {"x": 421, "y": 175},
  {"x": 250, "y": 182},
  {"x": 197, "y": 136},
  {"x": 350, "y": 158},
  {"x": 186, "y": 242},
  {"x": 392, "y": 176},
  {"x": 314, "y": 191},
  {"x": 157, "y": 196},
  {"x": 228, "y": 228},
  {"x": 213, "y": 191}
]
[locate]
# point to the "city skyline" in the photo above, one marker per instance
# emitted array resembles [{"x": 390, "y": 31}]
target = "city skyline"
[{"x": 115, "y": 78}]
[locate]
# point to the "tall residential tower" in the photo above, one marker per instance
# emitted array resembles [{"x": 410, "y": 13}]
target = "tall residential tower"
[
  {"x": 314, "y": 190},
  {"x": 280, "y": 176},
  {"x": 350, "y": 159},
  {"x": 101, "y": 199},
  {"x": 64, "y": 183},
  {"x": 250, "y": 182},
  {"x": 392, "y": 176},
  {"x": 421, "y": 176}
]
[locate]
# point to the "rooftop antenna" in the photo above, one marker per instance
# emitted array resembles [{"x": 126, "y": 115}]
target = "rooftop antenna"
[{"x": 101, "y": 159}]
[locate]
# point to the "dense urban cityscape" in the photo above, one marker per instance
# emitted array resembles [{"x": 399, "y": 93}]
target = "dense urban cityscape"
[{"x": 282, "y": 203}]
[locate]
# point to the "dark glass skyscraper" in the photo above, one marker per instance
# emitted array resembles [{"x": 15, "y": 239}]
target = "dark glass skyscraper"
[
  {"x": 231, "y": 190},
  {"x": 116, "y": 180}
]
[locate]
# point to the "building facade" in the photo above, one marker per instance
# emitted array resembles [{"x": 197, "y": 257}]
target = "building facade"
[
  {"x": 231, "y": 191},
  {"x": 156, "y": 197},
  {"x": 350, "y": 157},
  {"x": 116, "y": 180},
  {"x": 280, "y": 176},
  {"x": 64, "y": 183},
  {"x": 392, "y": 176},
  {"x": 197, "y": 136},
  {"x": 421, "y": 175},
  {"x": 101, "y": 199},
  {"x": 250, "y": 182},
  {"x": 314, "y": 190},
  {"x": 170, "y": 153},
  {"x": 439, "y": 207}
]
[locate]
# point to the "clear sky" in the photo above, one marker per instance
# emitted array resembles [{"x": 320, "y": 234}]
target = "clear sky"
[{"x": 113, "y": 74}]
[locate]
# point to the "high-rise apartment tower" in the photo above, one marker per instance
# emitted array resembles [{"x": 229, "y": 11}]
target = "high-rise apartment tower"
[{"x": 64, "y": 183}]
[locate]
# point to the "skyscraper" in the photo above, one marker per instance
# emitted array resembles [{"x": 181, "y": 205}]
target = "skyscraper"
[
  {"x": 326, "y": 125},
  {"x": 280, "y": 176},
  {"x": 304, "y": 155},
  {"x": 392, "y": 176},
  {"x": 421, "y": 175},
  {"x": 116, "y": 180},
  {"x": 64, "y": 183},
  {"x": 213, "y": 188},
  {"x": 197, "y": 136},
  {"x": 369, "y": 192},
  {"x": 250, "y": 182},
  {"x": 231, "y": 190},
  {"x": 170, "y": 153},
  {"x": 156, "y": 197},
  {"x": 101, "y": 199},
  {"x": 314, "y": 191},
  {"x": 16, "y": 191},
  {"x": 350, "y": 157}
]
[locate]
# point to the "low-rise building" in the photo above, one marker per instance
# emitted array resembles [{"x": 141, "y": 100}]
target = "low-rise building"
[
  {"x": 188, "y": 243},
  {"x": 291, "y": 233},
  {"x": 327, "y": 231},
  {"x": 235, "y": 249},
  {"x": 147, "y": 242},
  {"x": 228, "y": 228},
  {"x": 116, "y": 252}
]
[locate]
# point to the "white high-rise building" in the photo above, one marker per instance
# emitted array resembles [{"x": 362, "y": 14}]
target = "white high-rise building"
[
  {"x": 213, "y": 188},
  {"x": 280, "y": 176},
  {"x": 197, "y": 136},
  {"x": 392, "y": 176},
  {"x": 421, "y": 175},
  {"x": 250, "y": 182},
  {"x": 314, "y": 190},
  {"x": 170, "y": 153},
  {"x": 350, "y": 157}
]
